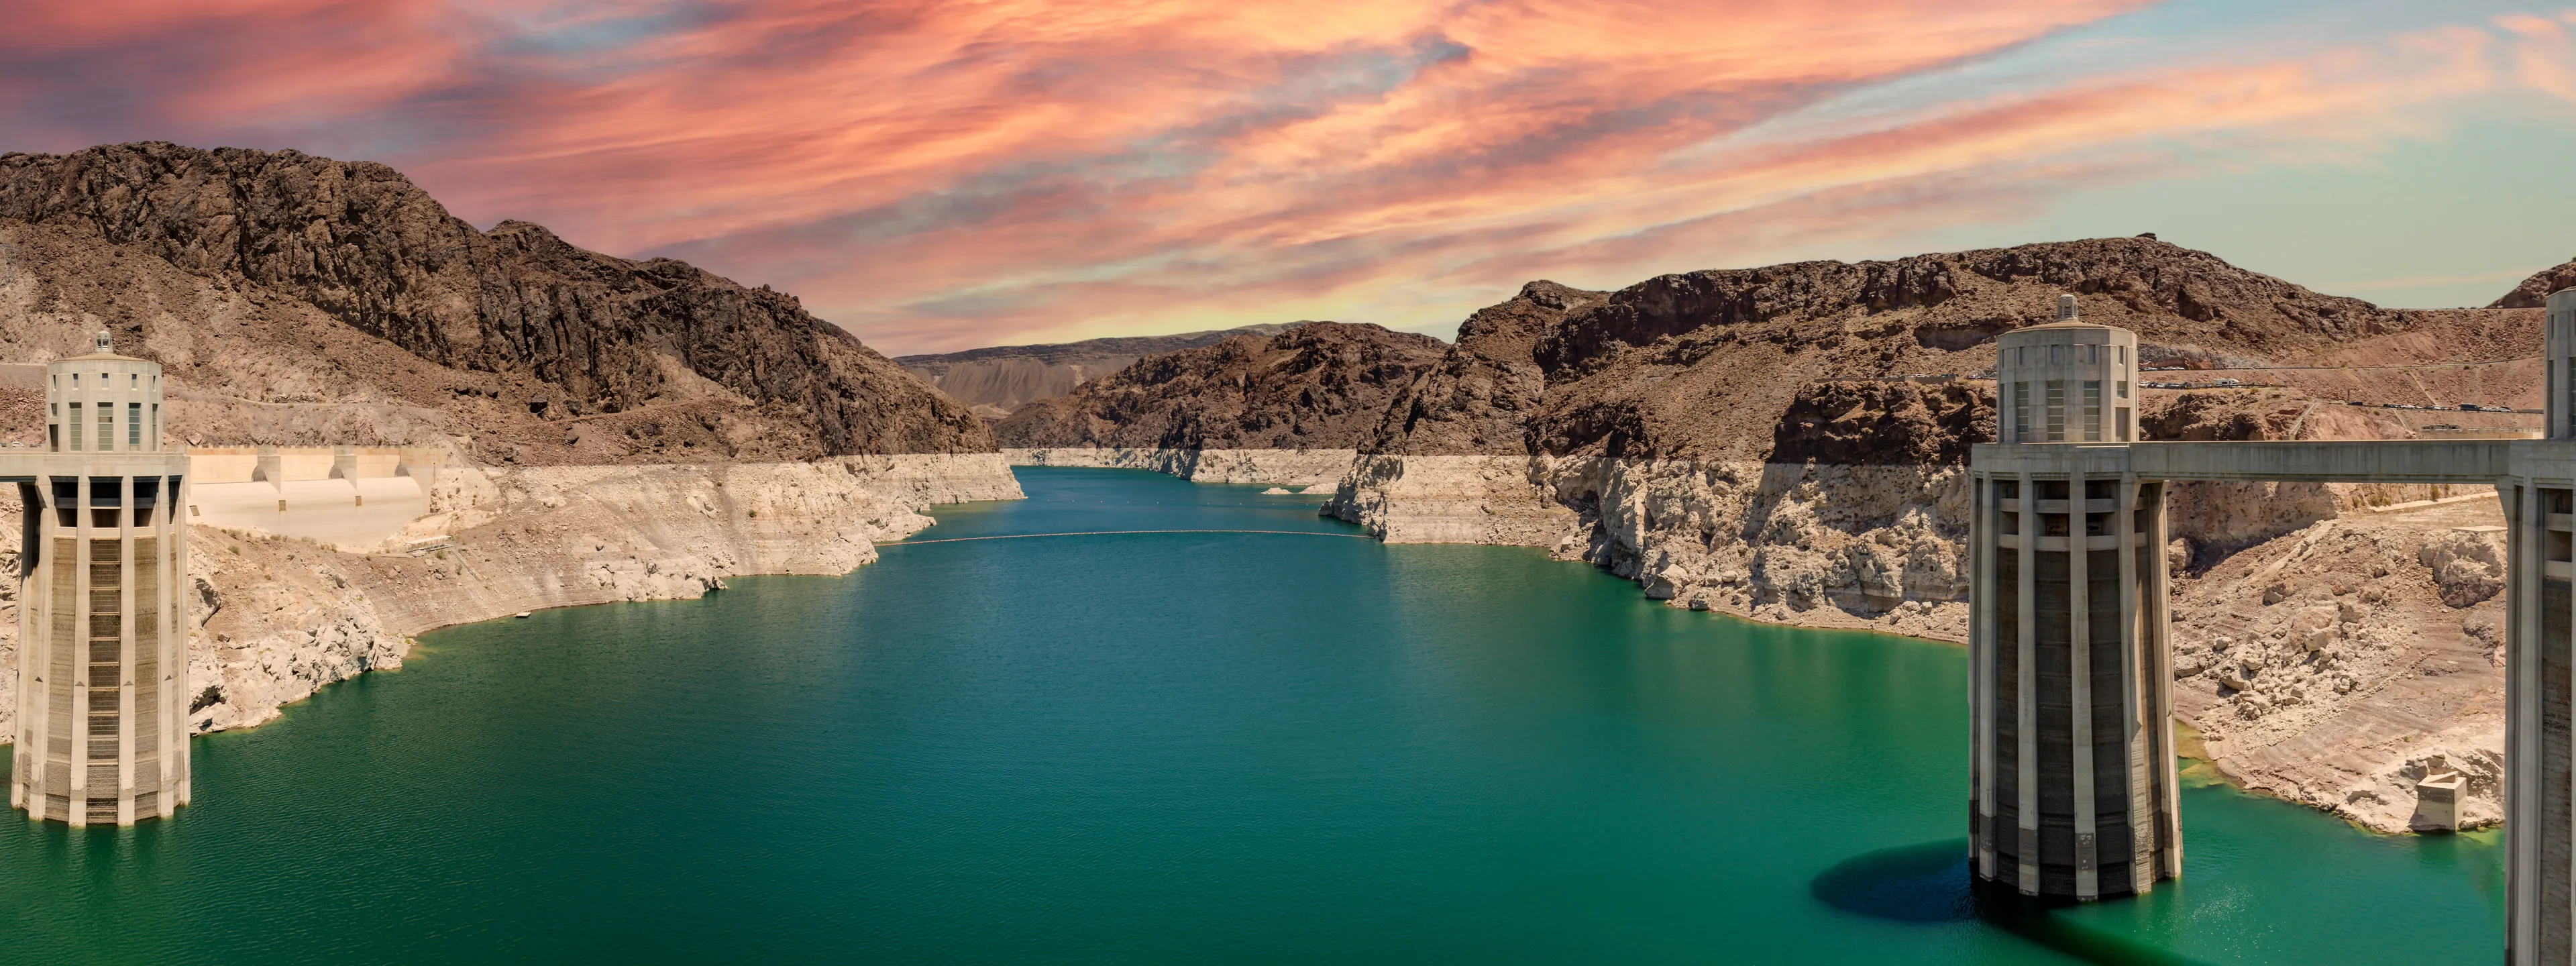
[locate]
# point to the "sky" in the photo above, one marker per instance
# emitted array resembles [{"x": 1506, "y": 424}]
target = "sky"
[{"x": 944, "y": 175}]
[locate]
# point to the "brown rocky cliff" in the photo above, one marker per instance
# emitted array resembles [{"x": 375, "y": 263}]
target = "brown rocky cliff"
[
  {"x": 1000, "y": 379},
  {"x": 1325, "y": 385},
  {"x": 1884, "y": 423},
  {"x": 363, "y": 246},
  {"x": 2185, "y": 300},
  {"x": 1706, "y": 364},
  {"x": 2534, "y": 292},
  {"x": 1474, "y": 400}
]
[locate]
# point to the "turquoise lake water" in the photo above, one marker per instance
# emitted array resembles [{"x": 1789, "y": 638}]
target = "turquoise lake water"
[{"x": 1201, "y": 748}]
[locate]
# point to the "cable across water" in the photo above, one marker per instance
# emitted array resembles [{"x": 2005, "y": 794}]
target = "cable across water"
[{"x": 1113, "y": 533}]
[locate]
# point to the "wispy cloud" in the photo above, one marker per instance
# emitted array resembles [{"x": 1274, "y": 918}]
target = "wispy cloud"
[{"x": 940, "y": 175}]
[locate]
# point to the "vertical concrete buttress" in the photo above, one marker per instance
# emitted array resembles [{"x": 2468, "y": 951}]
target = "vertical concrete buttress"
[{"x": 2073, "y": 771}]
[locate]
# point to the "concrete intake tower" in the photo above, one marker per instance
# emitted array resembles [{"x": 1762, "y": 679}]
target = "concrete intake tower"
[
  {"x": 2072, "y": 774},
  {"x": 103, "y": 632},
  {"x": 2072, "y": 790}
]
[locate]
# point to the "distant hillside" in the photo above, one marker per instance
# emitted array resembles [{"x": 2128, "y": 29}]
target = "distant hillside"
[
  {"x": 297, "y": 299},
  {"x": 1321, "y": 385},
  {"x": 1000, "y": 379}
]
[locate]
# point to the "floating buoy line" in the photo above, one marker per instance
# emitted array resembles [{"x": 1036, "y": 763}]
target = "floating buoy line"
[{"x": 1114, "y": 533}]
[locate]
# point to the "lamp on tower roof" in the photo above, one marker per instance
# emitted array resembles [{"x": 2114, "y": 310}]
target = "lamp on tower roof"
[
  {"x": 106, "y": 342},
  {"x": 2065, "y": 308}
]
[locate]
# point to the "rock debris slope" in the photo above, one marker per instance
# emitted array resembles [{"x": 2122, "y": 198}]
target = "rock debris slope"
[{"x": 617, "y": 429}]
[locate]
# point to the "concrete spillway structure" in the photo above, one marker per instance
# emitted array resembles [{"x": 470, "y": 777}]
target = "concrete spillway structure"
[
  {"x": 2072, "y": 769},
  {"x": 102, "y": 734}
]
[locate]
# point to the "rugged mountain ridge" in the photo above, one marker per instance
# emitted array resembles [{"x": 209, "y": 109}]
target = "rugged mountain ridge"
[
  {"x": 997, "y": 380},
  {"x": 1702, "y": 363},
  {"x": 565, "y": 332},
  {"x": 2533, "y": 292},
  {"x": 1322, "y": 385},
  {"x": 1476, "y": 399}
]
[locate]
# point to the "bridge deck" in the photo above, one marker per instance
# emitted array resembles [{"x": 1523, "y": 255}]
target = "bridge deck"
[
  {"x": 2340, "y": 461},
  {"x": 2356, "y": 461}
]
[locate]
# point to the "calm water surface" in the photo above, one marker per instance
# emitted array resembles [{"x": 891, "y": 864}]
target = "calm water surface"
[{"x": 1163, "y": 749}]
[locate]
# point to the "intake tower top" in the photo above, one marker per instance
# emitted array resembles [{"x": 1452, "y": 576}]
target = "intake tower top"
[
  {"x": 2066, "y": 382},
  {"x": 103, "y": 402}
]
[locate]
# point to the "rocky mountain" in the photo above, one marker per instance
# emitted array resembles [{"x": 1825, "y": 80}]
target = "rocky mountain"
[
  {"x": 1319, "y": 386},
  {"x": 999, "y": 379},
  {"x": 1478, "y": 397},
  {"x": 2534, "y": 291},
  {"x": 1706, "y": 363},
  {"x": 296, "y": 297}
]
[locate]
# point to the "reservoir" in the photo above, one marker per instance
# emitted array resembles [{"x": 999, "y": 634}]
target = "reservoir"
[{"x": 1165, "y": 748}]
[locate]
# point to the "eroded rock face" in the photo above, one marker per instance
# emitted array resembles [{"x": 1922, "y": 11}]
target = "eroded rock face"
[
  {"x": 1324, "y": 385},
  {"x": 1703, "y": 364},
  {"x": 1475, "y": 400},
  {"x": 1884, "y": 424},
  {"x": 1451, "y": 499},
  {"x": 1776, "y": 539},
  {"x": 2534, "y": 292},
  {"x": 1708, "y": 364},
  {"x": 570, "y": 333},
  {"x": 1794, "y": 371}
]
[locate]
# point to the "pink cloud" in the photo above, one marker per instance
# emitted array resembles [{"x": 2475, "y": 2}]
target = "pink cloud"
[{"x": 940, "y": 175}]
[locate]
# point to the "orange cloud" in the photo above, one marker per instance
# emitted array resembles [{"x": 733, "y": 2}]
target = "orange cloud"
[{"x": 946, "y": 174}]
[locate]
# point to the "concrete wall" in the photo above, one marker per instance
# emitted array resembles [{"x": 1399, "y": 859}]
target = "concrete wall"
[
  {"x": 352, "y": 497},
  {"x": 222, "y": 464},
  {"x": 349, "y": 514},
  {"x": 276, "y": 464}
]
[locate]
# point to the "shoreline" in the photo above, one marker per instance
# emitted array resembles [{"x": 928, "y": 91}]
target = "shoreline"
[
  {"x": 2191, "y": 748},
  {"x": 278, "y": 618}
]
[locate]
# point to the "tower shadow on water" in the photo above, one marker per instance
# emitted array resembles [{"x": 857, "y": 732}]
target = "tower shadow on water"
[{"x": 1929, "y": 884}]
